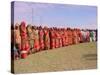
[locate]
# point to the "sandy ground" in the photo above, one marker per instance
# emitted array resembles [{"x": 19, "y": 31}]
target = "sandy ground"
[{"x": 74, "y": 57}]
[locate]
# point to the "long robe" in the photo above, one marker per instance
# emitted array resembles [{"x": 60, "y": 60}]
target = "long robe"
[
  {"x": 17, "y": 39},
  {"x": 41, "y": 39},
  {"x": 46, "y": 39},
  {"x": 52, "y": 39},
  {"x": 24, "y": 41},
  {"x": 60, "y": 40},
  {"x": 75, "y": 37},
  {"x": 57, "y": 39},
  {"x": 30, "y": 38},
  {"x": 66, "y": 38},
  {"x": 63, "y": 39},
  {"x": 36, "y": 40}
]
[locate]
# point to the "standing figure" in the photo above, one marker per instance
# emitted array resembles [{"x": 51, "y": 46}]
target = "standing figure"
[
  {"x": 46, "y": 38},
  {"x": 57, "y": 39},
  {"x": 80, "y": 36},
  {"x": 52, "y": 38},
  {"x": 41, "y": 38},
  {"x": 70, "y": 36},
  {"x": 14, "y": 52},
  {"x": 83, "y": 35},
  {"x": 24, "y": 40},
  {"x": 36, "y": 39},
  {"x": 63, "y": 37},
  {"x": 66, "y": 37},
  {"x": 60, "y": 39},
  {"x": 74, "y": 36},
  {"x": 94, "y": 35},
  {"x": 87, "y": 36},
  {"x": 30, "y": 38},
  {"x": 17, "y": 40},
  {"x": 91, "y": 36}
]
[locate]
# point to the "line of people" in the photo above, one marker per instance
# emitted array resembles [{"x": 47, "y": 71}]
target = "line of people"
[{"x": 28, "y": 39}]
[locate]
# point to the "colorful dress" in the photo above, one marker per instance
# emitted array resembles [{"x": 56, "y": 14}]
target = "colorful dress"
[
  {"x": 52, "y": 39},
  {"x": 76, "y": 38},
  {"x": 30, "y": 37},
  {"x": 60, "y": 40},
  {"x": 87, "y": 36},
  {"x": 17, "y": 38},
  {"x": 36, "y": 40},
  {"x": 24, "y": 41},
  {"x": 57, "y": 39},
  {"x": 66, "y": 38},
  {"x": 41, "y": 39},
  {"x": 46, "y": 39},
  {"x": 80, "y": 36}
]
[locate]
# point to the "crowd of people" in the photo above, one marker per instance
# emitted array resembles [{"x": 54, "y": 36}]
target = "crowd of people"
[{"x": 29, "y": 39}]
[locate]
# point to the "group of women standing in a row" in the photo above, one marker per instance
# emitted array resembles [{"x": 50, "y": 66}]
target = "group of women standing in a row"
[{"x": 30, "y": 39}]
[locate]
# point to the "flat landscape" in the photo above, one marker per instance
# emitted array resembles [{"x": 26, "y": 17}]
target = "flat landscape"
[{"x": 73, "y": 57}]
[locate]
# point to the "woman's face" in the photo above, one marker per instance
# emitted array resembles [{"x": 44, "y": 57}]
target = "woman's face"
[{"x": 29, "y": 29}]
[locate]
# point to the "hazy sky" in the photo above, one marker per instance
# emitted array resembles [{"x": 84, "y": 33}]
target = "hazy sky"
[{"x": 58, "y": 15}]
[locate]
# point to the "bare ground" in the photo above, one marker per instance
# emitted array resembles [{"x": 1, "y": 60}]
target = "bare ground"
[{"x": 74, "y": 57}]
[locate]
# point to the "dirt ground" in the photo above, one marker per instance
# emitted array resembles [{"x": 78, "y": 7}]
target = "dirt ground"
[{"x": 74, "y": 57}]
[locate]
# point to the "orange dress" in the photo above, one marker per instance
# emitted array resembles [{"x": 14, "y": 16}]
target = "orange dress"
[
  {"x": 52, "y": 39},
  {"x": 57, "y": 40},
  {"x": 71, "y": 32},
  {"x": 46, "y": 39},
  {"x": 75, "y": 37},
  {"x": 66, "y": 38}
]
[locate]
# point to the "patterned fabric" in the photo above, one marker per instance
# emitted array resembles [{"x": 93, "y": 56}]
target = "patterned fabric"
[
  {"x": 36, "y": 40},
  {"x": 46, "y": 39},
  {"x": 24, "y": 40},
  {"x": 32, "y": 39},
  {"x": 41, "y": 39}
]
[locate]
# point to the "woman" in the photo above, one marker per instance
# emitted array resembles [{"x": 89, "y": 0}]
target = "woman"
[
  {"x": 24, "y": 41},
  {"x": 30, "y": 37},
  {"x": 46, "y": 38},
  {"x": 75, "y": 40},
  {"x": 52, "y": 38},
  {"x": 36, "y": 39},
  {"x": 17, "y": 40},
  {"x": 66, "y": 37},
  {"x": 56, "y": 38},
  {"x": 41, "y": 38},
  {"x": 60, "y": 39}
]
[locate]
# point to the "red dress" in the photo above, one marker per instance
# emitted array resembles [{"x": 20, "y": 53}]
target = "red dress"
[
  {"x": 46, "y": 39},
  {"x": 59, "y": 37},
  {"x": 36, "y": 40},
  {"x": 63, "y": 38},
  {"x": 24, "y": 42},
  {"x": 60, "y": 40},
  {"x": 41, "y": 39}
]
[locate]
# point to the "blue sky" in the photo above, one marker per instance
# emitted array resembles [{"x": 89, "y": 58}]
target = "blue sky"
[{"x": 56, "y": 15}]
